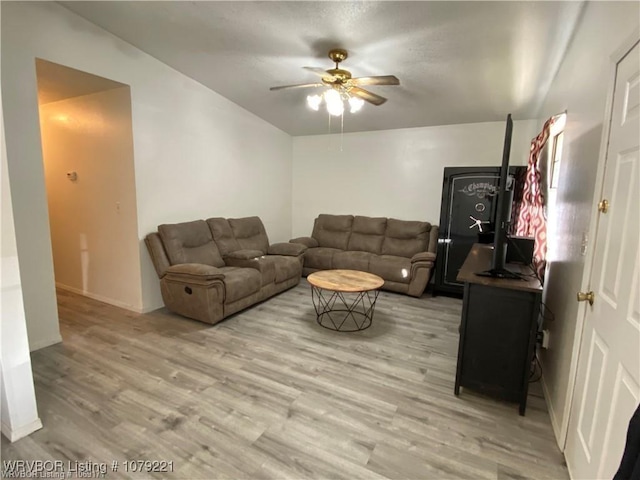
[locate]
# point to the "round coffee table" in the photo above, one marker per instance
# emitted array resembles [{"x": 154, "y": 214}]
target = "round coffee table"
[{"x": 334, "y": 310}]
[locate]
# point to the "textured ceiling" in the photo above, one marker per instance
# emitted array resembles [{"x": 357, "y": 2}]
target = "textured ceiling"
[{"x": 458, "y": 62}]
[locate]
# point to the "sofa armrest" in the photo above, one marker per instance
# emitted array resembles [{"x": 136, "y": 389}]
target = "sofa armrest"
[
  {"x": 306, "y": 241},
  {"x": 433, "y": 239},
  {"x": 423, "y": 257},
  {"x": 193, "y": 273},
  {"x": 244, "y": 254},
  {"x": 157, "y": 253},
  {"x": 289, "y": 249}
]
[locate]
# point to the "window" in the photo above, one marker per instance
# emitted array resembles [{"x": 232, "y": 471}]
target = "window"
[
  {"x": 556, "y": 156},
  {"x": 557, "y": 134}
]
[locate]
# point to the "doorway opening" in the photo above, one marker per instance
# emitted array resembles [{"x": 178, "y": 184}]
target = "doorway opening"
[{"x": 87, "y": 149}]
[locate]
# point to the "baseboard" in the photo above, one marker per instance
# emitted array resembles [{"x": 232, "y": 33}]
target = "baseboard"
[
  {"x": 150, "y": 309},
  {"x": 100, "y": 298},
  {"x": 18, "y": 433},
  {"x": 552, "y": 413}
]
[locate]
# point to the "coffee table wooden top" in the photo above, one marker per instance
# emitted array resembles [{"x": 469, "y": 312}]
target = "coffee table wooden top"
[{"x": 345, "y": 280}]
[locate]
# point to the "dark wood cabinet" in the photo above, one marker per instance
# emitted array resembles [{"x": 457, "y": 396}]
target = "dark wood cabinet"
[
  {"x": 467, "y": 210},
  {"x": 497, "y": 331}
]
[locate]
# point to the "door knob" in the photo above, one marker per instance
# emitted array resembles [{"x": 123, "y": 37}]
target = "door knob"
[
  {"x": 603, "y": 205},
  {"x": 586, "y": 297}
]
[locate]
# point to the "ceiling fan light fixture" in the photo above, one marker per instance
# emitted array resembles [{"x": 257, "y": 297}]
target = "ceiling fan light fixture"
[
  {"x": 314, "y": 102},
  {"x": 342, "y": 88},
  {"x": 333, "y": 99},
  {"x": 335, "y": 102},
  {"x": 355, "y": 104}
]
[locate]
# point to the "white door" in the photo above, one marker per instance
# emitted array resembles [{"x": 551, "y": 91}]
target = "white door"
[{"x": 607, "y": 388}]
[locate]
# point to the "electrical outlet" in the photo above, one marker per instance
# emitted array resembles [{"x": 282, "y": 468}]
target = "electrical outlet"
[{"x": 545, "y": 339}]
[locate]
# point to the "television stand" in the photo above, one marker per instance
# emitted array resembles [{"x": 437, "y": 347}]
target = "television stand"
[
  {"x": 497, "y": 330},
  {"x": 500, "y": 273}
]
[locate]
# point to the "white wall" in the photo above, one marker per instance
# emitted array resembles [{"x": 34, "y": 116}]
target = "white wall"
[
  {"x": 196, "y": 153},
  {"x": 93, "y": 220},
  {"x": 581, "y": 87},
  {"x": 392, "y": 173},
  {"x": 18, "y": 411}
]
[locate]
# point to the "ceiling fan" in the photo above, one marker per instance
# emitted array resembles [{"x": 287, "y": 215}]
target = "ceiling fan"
[{"x": 342, "y": 81}]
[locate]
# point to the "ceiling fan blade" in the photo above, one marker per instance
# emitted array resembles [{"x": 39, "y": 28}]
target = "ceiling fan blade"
[
  {"x": 301, "y": 85},
  {"x": 378, "y": 80},
  {"x": 367, "y": 95},
  {"x": 322, "y": 73}
]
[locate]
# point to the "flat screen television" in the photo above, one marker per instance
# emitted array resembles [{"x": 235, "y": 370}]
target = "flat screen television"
[{"x": 502, "y": 216}]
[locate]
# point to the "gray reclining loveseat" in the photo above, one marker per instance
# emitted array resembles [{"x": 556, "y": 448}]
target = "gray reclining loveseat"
[
  {"x": 211, "y": 269},
  {"x": 401, "y": 252}
]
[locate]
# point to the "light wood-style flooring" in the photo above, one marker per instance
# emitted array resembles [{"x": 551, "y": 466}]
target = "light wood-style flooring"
[{"x": 269, "y": 394}]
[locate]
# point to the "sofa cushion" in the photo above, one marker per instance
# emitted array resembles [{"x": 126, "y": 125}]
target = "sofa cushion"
[
  {"x": 223, "y": 235},
  {"x": 260, "y": 263},
  {"x": 267, "y": 269},
  {"x": 240, "y": 283},
  {"x": 352, "y": 260},
  {"x": 333, "y": 231},
  {"x": 190, "y": 242},
  {"x": 286, "y": 267},
  {"x": 250, "y": 233},
  {"x": 405, "y": 238},
  {"x": 319, "y": 257},
  {"x": 367, "y": 234},
  {"x": 391, "y": 267}
]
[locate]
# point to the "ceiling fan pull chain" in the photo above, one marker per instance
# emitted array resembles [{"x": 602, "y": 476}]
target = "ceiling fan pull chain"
[{"x": 341, "y": 129}]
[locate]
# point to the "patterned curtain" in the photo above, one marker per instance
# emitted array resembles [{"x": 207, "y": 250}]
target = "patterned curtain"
[{"x": 531, "y": 221}]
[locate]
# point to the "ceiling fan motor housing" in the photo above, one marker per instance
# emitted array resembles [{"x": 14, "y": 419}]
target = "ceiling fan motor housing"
[
  {"x": 339, "y": 76},
  {"x": 338, "y": 55}
]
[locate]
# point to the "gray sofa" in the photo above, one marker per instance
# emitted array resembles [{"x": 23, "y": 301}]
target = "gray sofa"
[
  {"x": 401, "y": 252},
  {"x": 211, "y": 269}
]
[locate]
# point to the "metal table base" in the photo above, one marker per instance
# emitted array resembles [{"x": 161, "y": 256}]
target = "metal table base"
[{"x": 340, "y": 313}]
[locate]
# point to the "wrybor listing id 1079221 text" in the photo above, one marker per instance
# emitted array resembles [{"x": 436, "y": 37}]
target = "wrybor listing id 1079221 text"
[{"x": 80, "y": 469}]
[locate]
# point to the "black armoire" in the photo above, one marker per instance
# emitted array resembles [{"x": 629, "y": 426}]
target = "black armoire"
[{"x": 467, "y": 215}]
